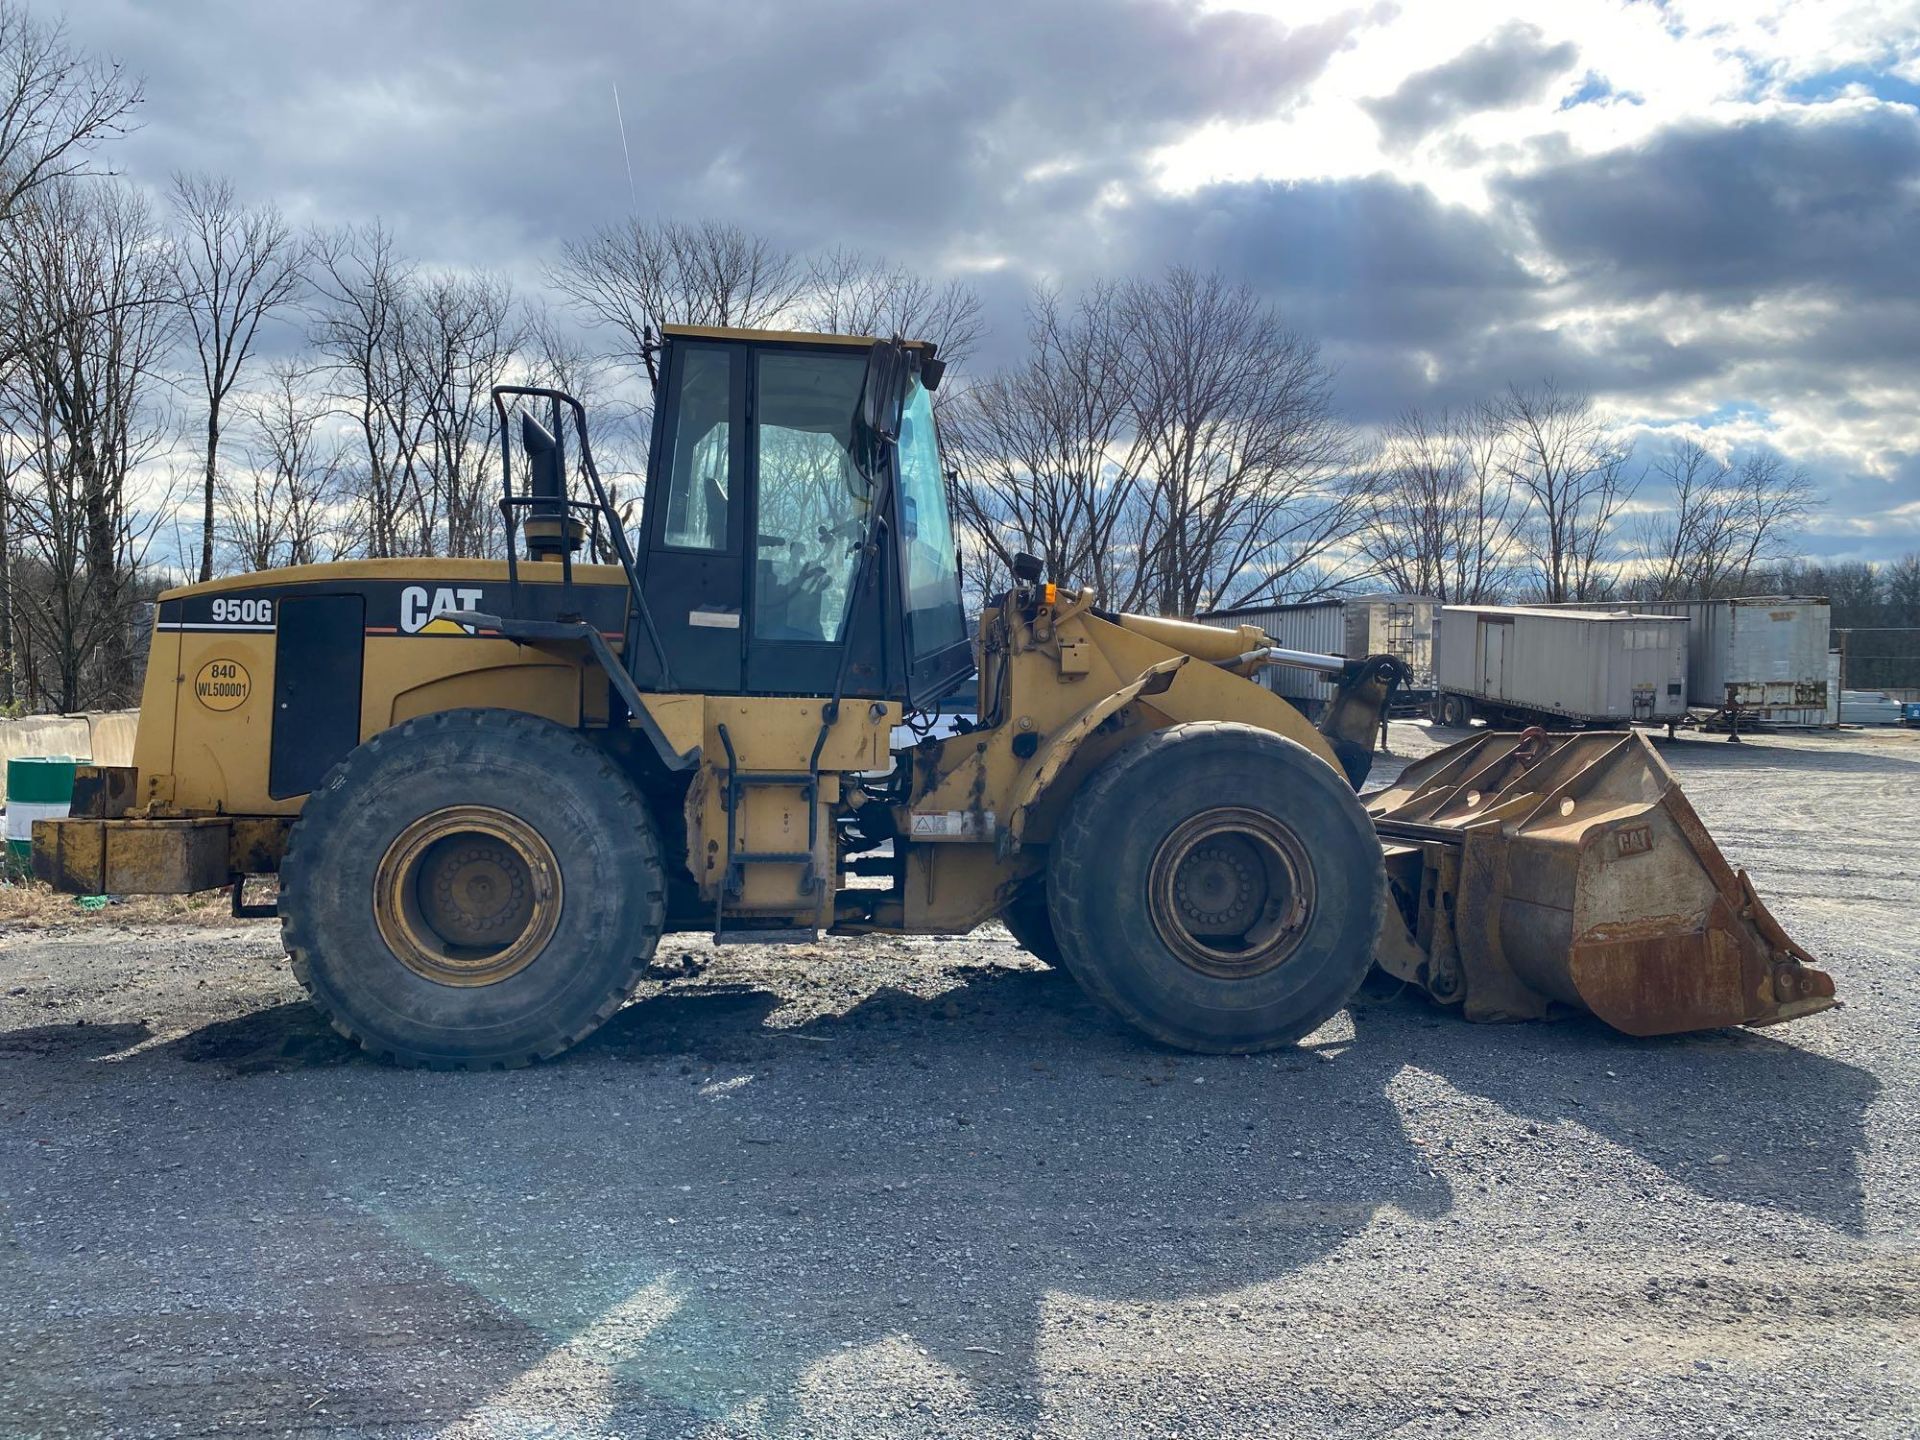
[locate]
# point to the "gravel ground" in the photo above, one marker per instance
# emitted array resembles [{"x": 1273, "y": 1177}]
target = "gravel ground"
[{"x": 924, "y": 1188}]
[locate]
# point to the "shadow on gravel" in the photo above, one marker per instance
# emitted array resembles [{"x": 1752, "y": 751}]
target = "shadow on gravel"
[
  {"x": 712, "y": 1022},
  {"x": 1731, "y": 1114},
  {"x": 79, "y": 1041},
  {"x": 286, "y": 1037},
  {"x": 703, "y": 1209},
  {"x": 1762, "y": 752},
  {"x": 937, "y": 1172}
]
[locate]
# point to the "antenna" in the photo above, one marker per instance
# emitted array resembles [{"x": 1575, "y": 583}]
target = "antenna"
[{"x": 633, "y": 195}]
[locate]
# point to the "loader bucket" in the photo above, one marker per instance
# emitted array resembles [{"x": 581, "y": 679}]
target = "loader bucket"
[{"x": 1534, "y": 874}]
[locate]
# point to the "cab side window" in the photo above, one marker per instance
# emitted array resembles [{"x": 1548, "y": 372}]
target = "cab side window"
[{"x": 700, "y": 481}]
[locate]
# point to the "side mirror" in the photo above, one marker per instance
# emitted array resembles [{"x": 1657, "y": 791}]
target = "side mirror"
[{"x": 884, "y": 393}]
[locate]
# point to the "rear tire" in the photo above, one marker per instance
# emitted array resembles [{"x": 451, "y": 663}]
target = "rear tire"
[
  {"x": 472, "y": 889},
  {"x": 1218, "y": 887}
]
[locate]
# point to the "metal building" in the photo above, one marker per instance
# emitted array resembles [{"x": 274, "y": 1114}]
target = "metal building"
[{"x": 1353, "y": 626}]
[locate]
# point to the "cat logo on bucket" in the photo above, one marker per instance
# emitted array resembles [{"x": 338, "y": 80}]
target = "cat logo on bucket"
[{"x": 222, "y": 685}]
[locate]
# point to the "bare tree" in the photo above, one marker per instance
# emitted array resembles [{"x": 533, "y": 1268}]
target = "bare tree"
[
  {"x": 281, "y": 508},
  {"x": 1722, "y": 522},
  {"x": 95, "y": 310},
  {"x": 1685, "y": 545},
  {"x": 363, "y": 290},
  {"x": 1250, "y": 477},
  {"x": 1902, "y": 586},
  {"x": 412, "y": 360},
  {"x": 1575, "y": 481},
  {"x": 1773, "y": 502},
  {"x": 57, "y": 104},
  {"x": 849, "y": 293},
  {"x": 16, "y": 458},
  {"x": 461, "y": 333},
  {"x": 237, "y": 265},
  {"x": 1049, "y": 457},
  {"x": 636, "y": 276},
  {"x": 1440, "y": 518}
]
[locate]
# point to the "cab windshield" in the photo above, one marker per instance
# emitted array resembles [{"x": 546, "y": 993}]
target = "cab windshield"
[{"x": 931, "y": 563}]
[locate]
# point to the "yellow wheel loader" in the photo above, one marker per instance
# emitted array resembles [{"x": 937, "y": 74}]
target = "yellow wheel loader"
[{"x": 488, "y": 787}]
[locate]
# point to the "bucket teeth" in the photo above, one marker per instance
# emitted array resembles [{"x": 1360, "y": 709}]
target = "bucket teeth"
[{"x": 1537, "y": 873}]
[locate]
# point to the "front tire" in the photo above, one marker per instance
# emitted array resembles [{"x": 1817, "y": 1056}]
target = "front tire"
[
  {"x": 1218, "y": 887},
  {"x": 472, "y": 889},
  {"x": 1029, "y": 922}
]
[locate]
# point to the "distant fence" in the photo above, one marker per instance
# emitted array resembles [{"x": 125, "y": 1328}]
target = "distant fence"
[
  {"x": 103, "y": 736},
  {"x": 1880, "y": 657}
]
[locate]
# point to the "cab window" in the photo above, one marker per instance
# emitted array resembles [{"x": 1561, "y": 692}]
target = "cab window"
[
  {"x": 700, "y": 480},
  {"x": 934, "y": 618},
  {"x": 813, "y": 500}
]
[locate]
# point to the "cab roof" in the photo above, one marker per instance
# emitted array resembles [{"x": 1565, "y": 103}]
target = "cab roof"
[{"x": 786, "y": 337}]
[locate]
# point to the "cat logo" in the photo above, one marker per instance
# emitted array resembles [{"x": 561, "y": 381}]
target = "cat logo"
[{"x": 421, "y": 610}]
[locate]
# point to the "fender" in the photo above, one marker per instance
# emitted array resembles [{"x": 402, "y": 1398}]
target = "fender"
[{"x": 1154, "y": 680}]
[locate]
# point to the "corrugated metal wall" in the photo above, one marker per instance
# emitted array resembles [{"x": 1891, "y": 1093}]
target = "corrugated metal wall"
[{"x": 1319, "y": 626}]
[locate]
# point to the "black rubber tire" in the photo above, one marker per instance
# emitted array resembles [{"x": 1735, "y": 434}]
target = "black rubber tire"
[
  {"x": 1098, "y": 888},
  {"x": 584, "y": 808},
  {"x": 1028, "y": 921}
]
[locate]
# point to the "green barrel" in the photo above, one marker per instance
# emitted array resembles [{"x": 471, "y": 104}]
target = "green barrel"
[{"x": 39, "y": 787}]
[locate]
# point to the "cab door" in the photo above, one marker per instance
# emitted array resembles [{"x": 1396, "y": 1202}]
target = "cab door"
[
  {"x": 694, "y": 579},
  {"x": 811, "y": 505}
]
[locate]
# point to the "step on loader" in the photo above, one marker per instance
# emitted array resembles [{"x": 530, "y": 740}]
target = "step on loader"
[{"x": 489, "y": 787}]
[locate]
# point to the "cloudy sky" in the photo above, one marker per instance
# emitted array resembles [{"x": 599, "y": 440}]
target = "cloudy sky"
[{"x": 1706, "y": 213}]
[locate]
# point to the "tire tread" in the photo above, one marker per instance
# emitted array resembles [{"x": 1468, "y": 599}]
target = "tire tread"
[
  {"x": 1075, "y": 888},
  {"x": 323, "y": 803}
]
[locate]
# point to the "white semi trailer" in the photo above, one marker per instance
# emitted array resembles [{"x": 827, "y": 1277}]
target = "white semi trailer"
[
  {"x": 1525, "y": 665},
  {"x": 1752, "y": 657}
]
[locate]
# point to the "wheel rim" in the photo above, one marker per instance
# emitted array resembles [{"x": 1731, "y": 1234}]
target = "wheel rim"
[
  {"x": 1231, "y": 892},
  {"x": 469, "y": 895}
]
